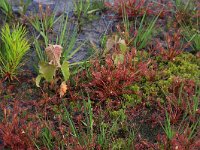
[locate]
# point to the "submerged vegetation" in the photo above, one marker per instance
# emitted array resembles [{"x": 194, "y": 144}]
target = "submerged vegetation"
[{"x": 136, "y": 87}]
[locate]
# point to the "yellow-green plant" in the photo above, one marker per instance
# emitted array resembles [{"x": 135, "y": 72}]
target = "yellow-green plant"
[{"x": 14, "y": 47}]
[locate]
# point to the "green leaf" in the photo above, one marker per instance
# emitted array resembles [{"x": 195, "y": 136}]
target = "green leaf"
[
  {"x": 48, "y": 71},
  {"x": 123, "y": 46},
  {"x": 118, "y": 58},
  {"x": 38, "y": 79},
  {"x": 65, "y": 70}
]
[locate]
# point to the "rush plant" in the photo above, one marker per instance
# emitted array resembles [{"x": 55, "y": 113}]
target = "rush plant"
[
  {"x": 15, "y": 46},
  {"x": 143, "y": 34},
  {"x": 44, "y": 20}
]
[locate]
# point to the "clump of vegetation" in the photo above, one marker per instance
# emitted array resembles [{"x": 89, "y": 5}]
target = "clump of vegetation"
[
  {"x": 15, "y": 45},
  {"x": 48, "y": 70}
]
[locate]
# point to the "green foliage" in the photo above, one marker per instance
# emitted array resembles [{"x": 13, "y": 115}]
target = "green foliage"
[
  {"x": 6, "y": 8},
  {"x": 185, "y": 10},
  {"x": 167, "y": 128},
  {"x": 64, "y": 37},
  {"x": 144, "y": 34},
  {"x": 186, "y": 66},
  {"x": 118, "y": 115},
  {"x": 118, "y": 144},
  {"x": 47, "y": 138},
  {"x": 65, "y": 70},
  {"x": 44, "y": 20},
  {"x": 132, "y": 99},
  {"x": 48, "y": 71},
  {"x": 192, "y": 35},
  {"x": 83, "y": 8},
  {"x": 15, "y": 46},
  {"x": 24, "y": 5}
]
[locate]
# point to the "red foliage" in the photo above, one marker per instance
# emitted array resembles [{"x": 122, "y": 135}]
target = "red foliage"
[
  {"x": 173, "y": 47},
  {"x": 131, "y": 7},
  {"x": 179, "y": 101},
  {"x": 135, "y": 8},
  {"x": 179, "y": 142},
  {"x": 13, "y": 130},
  {"x": 111, "y": 80}
]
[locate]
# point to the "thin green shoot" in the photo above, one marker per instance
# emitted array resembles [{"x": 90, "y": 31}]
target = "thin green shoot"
[
  {"x": 144, "y": 35},
  {"x": 167, "y": 127}
]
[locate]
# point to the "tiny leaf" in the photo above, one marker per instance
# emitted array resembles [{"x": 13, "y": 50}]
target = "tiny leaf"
[
  {"x": 123, "y": 46},
  {"x": 118, "y": 59},
  {"x": 38, "y": 79}
]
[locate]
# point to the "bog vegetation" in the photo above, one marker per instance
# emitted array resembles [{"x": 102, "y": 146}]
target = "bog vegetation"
[{"x": 137, "y": 87}]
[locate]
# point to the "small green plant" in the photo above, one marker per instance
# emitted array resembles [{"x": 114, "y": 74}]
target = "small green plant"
[
  {"x": 47, "y": 138},
  {"x": 64, "y": 37},
  {"x": 55, "y": 58},
  {"x": 167, "y": 128},
  {"x": 48, "y": 70},
  {"x": 142, "y": 31},
  {"x": 15, "y": 46},
  {"x": 144, "y": 34},
  {"x": 195, "y": 102},
  {"x": 88, "y": 122},
  {"x": 83, "y": 8},
  {"x": 44, "y": 20},
  {"x": 192, "y": 35}
]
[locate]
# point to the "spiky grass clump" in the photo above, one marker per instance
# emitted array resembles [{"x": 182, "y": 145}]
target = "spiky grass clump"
[{"x": 15, "y": 46}]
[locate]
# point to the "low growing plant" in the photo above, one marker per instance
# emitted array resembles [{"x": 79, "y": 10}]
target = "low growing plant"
[
  {"x": 118, "y": 70},
  {"x": 175, "y": 47}
]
